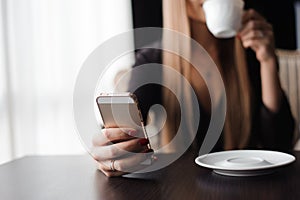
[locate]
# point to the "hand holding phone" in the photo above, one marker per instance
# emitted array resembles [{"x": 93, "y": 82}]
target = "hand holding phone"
[{"x": 123, "y": 145}]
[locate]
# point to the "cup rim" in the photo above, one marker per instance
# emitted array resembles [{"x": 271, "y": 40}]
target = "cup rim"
[
  {"x": 237, "y": 2},
  {"x": 220, "y": 33}
]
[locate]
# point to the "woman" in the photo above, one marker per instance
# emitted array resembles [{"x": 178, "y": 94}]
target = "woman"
[{"x": 258, "y": 114}]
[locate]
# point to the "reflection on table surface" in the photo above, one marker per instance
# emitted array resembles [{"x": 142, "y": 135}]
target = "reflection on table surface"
[
  {"x": 76, "y": 177},
  {"x": 185, "y": 180}
]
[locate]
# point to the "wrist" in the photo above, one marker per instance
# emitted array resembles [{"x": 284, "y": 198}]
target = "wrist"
[
  {"x": 266, "y": 53},
  {"x": 270, "y": 63}
]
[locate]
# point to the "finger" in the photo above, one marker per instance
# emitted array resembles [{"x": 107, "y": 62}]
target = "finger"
[
  {"x": 114, "y": 151},
  {"x": 113, "y": 174},
  {"x": 255, "y": 25},
  {"x": 128, "y": 165},
  {"x": 258, "y": 37},
  {"x": 254, "y": 34},
  {"x": 251, "y": 14},
  {"x": 250, "y": 43},
  {"x": 254, "y": 43},
  {"x": 113, "y": 135},
  {"x": 107, "y": 172},
  {"x": 133, "y": 163}
]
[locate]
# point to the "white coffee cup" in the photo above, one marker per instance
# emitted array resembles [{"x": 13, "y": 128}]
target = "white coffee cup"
[{"x": 223, "y": 17}]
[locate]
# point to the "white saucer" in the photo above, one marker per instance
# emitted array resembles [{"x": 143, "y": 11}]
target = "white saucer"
[{"x": 244, "y": 162}]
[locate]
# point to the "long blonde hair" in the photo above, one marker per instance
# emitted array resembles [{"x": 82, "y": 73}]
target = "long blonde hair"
[{"x": 236, "y": 80}]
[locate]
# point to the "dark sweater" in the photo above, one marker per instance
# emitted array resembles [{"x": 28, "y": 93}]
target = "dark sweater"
[{"x": 273, "y": 131}]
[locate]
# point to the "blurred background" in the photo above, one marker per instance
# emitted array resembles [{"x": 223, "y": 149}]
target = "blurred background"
[{"x": 44, "y": 42}]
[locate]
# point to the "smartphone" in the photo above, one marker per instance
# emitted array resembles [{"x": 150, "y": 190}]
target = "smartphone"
[{"x": 121, "y": 110}]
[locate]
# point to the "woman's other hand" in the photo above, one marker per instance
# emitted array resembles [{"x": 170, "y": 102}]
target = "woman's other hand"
[
  {"x": 118, "y": 151},
  {"x": 256, "y": 33}
]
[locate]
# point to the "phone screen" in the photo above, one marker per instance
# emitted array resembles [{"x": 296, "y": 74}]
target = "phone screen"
[{"x": 121, "y": 111}]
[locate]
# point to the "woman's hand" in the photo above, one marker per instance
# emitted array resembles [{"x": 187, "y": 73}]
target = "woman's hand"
[
  {"x": 118, "y": 151},
  {"x": 257, "y": 34}
]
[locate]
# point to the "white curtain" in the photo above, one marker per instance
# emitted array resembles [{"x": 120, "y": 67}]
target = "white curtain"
[{"x": 43, "y": 44}]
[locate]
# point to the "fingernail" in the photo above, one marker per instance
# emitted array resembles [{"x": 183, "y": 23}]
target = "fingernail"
[
  {"x": 143, "y": 142},
  {"x": 131, "y": 132},
  {"x": 238, "y": 36}
]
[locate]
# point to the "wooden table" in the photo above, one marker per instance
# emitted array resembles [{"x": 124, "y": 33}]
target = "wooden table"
[{"x": 76, "y": 177}]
